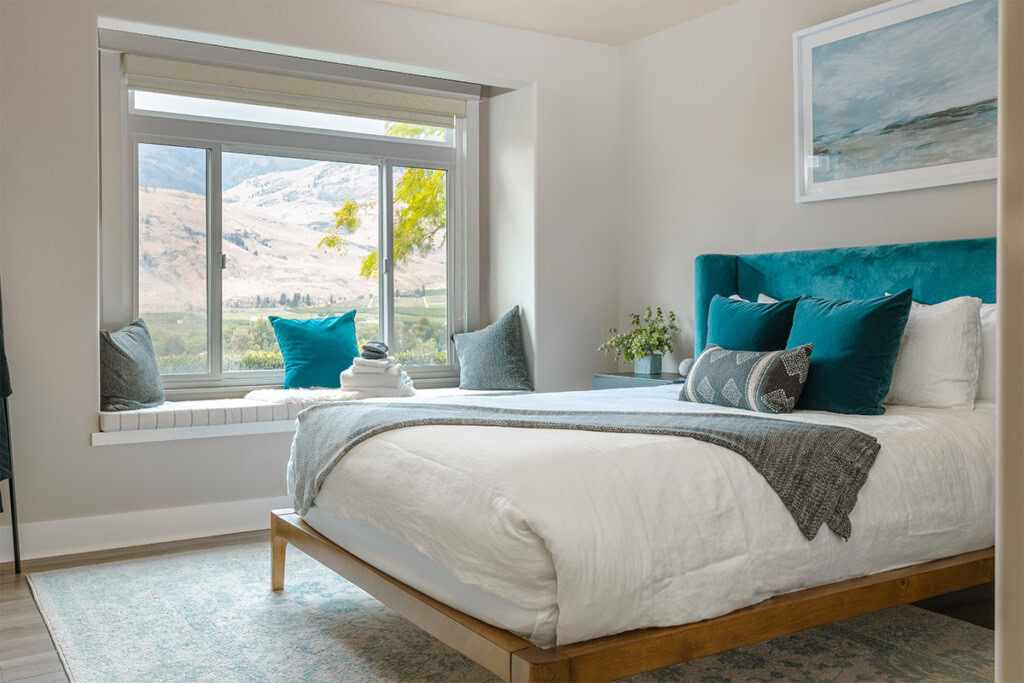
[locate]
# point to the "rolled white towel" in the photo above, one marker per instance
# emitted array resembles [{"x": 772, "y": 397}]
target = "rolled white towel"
[
  {"x": 363, "y": 365},
  {"x": 391, "y": 377}
]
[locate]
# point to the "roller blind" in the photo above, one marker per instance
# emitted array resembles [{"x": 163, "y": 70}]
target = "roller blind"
[{"x": 293, "y": 92}]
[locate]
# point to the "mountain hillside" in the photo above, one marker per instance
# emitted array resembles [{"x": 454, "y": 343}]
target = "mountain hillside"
[
  {"x": 272, "y": 223},
  {"x": 184, "y": 168}
]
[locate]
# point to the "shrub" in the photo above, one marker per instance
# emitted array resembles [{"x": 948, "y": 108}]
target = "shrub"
[
  {"x": 421, "y": 355},
  {"x": 261, "y": 360},
  {"x": 178, "y": 363}
]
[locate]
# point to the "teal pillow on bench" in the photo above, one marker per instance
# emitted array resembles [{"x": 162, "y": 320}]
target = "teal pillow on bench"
[
  {"x": 748, "y": 326},
  {"x": 855, "y": 349},
  {"x": 316, "y": 351}
]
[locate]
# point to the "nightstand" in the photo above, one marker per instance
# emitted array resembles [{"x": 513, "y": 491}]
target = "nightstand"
[{"x": 625, "y": 380}]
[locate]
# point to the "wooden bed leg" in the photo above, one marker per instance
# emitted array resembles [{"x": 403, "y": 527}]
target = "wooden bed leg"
[
  {"x": 536, "y": 665},
  {"x": 278, "y": 546}
]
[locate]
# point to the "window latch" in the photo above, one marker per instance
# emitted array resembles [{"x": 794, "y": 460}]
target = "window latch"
[{"x": 223, "y": 261}]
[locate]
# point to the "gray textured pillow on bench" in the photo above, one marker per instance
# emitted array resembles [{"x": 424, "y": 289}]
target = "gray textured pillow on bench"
[
  {"x": 493, "y": 358},
  {"x": 129, "y": 374}
]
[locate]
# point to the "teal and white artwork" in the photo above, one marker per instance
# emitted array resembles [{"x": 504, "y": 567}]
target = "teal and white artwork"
[{"x": 897, "y": 97}]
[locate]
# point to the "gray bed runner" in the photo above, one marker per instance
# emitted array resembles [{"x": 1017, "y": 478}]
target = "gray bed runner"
[{"x": 816, "y": 470}]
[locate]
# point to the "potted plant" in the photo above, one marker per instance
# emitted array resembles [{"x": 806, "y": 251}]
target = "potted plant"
[{"x": 650, "y": 337}]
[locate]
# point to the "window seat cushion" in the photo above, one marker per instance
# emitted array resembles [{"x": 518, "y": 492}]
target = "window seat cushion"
[
  {"x": 263, "y": 405},
  {"x": 206, "y": 413}
]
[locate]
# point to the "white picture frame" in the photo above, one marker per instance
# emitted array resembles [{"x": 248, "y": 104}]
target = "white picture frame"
[{"x": 808, "y": 188}]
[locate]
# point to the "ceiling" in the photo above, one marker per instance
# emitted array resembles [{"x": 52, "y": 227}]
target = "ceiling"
[{"x": 613, "y": 22}]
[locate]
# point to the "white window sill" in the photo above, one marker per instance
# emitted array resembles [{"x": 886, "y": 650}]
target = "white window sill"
[
  {"x": 179, "y": 433},
  {"x": 203, "y": 419},
  {"x": 177, "y": 392}
]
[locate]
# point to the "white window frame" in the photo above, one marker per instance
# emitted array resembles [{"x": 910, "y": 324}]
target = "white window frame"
[{"x": 123, "y": 129}]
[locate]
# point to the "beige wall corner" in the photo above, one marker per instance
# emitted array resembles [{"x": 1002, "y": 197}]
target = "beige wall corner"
[
  {"x": 708, "y": 159},
  {"x": 1010, "y": 512}
]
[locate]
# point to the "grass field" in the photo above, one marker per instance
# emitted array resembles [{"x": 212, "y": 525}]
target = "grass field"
[{"x": 180, "y": 339}]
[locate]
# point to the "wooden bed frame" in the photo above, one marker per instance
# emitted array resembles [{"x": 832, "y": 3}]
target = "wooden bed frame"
[{"x": 513, "y": 659}]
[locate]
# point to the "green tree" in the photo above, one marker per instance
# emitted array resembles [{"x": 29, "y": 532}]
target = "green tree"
[
  {"x": 414, "y": 131},
  {"x": 424, "y": 330},
  {"x": 236, "y": 339},
  {"x": 296, "y": 298},
  {"x": 346, "y": 222},
  {"x": 284, "y": 299},
  {"x": 421, "y": 211},
  {"x": 171, "y": 345},
  {"x": 262, "y": 333}
]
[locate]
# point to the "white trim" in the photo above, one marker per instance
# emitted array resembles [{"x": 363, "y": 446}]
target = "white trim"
[
  {"x": 386, "y": 254},
  {"x": 425, "y": 377},
  {"x": 117, "y": 243},
  {"x": 470, "y": 252},
  {"x": 294, "y": 141},
  {"x": 186, "y": 41},
  {"x": 180, "y": 433},
  {"x": 214, "y": 254},
  {"x": 307, "y": 92},
  {"x": 127, "y": 529},
  {"x": 804, "y": 41}
]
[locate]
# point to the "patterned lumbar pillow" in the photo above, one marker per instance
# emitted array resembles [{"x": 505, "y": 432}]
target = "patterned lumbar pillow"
[{"x": 766, "y": 382}]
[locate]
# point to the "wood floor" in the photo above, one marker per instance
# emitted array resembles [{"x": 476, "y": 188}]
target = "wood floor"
[{"x": 27, "y": 654}]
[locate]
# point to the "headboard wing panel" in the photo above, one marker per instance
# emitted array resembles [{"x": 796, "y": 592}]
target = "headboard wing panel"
[{"x": 936, "y": 271}]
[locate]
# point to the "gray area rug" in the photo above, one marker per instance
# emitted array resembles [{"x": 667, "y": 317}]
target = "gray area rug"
[{"x": 210, "y": 616}]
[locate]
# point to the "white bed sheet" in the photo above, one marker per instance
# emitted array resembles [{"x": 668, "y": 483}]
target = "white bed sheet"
[{"x": 603, "y": 533}]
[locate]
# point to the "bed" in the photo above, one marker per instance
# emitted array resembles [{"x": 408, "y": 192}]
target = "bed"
[{"x": 548, "y": 554}]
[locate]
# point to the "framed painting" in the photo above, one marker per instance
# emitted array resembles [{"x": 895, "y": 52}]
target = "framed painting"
[{"x": 898, "y": 97}]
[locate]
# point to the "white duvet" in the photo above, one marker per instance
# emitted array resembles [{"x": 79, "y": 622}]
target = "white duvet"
[{"x": 601, "y": 533}]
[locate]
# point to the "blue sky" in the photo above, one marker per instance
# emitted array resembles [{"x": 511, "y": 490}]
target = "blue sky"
[{"x": 923, "y": 65}]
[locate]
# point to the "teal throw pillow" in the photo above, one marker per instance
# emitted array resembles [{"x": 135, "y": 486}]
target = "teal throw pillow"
[
  {"x": 855, "y": 348},
  {"x": 749, "y": 326},
  {"x": 316, "y": 351}
]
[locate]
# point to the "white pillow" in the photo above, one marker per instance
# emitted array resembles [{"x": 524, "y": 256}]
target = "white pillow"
[
  {"x": 989, "y": 361},
  {"x": 940, "y": 356}
]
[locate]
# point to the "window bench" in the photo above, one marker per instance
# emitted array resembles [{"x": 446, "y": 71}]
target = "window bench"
[{"x": 275, "y": 411}]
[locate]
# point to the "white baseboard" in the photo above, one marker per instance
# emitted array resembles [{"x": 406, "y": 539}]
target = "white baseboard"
[{"x": 103, "y": 532}]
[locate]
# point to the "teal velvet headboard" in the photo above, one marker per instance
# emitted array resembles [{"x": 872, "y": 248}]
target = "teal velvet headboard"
[{"x": 936, "y": 271}]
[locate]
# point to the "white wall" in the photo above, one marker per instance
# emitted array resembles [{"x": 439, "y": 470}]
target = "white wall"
[
  {"x": 49, "y": 225},
  {"x": 508, "y": 255},
  {"x": 707, "y": 121}
]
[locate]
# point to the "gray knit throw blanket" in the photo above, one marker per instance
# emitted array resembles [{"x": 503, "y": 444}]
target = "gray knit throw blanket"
[{"x": 816, "y": 470}]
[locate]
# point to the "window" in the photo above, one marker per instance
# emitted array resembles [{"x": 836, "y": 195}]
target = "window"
[{"x": 241, "y": 210}]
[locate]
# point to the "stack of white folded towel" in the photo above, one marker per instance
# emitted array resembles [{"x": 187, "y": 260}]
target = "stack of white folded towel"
[{"x": 383, "y": 377}]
